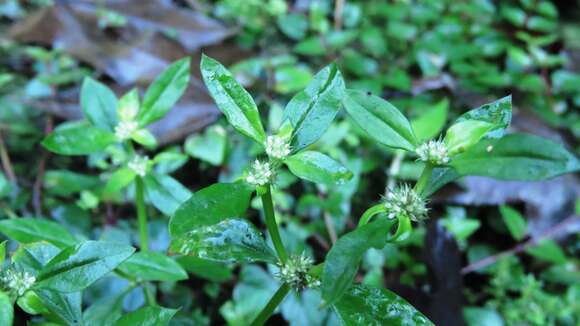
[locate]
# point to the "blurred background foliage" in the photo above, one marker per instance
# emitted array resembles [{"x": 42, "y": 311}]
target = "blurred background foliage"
[{"x": 493, "y": 252}]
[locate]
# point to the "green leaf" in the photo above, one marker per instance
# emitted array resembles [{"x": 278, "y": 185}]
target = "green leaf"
[
  {"x": 6, "y": 309},
  {"x": 317, "y": 167},
  {"x": 211, "y": 205},
  {"x": 147, "y": 316},
  {"x": 514, "y": 221},
  {"x": 516, "y": 157},
  {"x": 498, "y": 113},
  {"x": 383, "y": 122},
  {"x": 145, "y": 138},
  {"x": 78, "y": 138},
  {"x": 210, "y": 147},
  {"x": 164, "y": 92},
  {"x": 431, "y": 122},
  {"x": 27, "y": 230},
  {"x": 153, "y": 266},
  {"x": 67, "y": 306},
  {"x": 312, "y": 111},
  {"x": 548, "y": 250},
  {"x": 119, "y": 180},
  {"x": 462, "y": 135},
  {"x": 232, "y": 99},
  {"x": 99, "y": 104},
  {"x": 207, "y": 269},
  {"x": 165, "y": 193},
  {"x": 476, "y": 316},
  {"x": 33, "y": 257},
  {"x": 365, "y": 305},
  {"x": 105, "y": 312},
  {"x": 342, "y": 260},
  {"x": 231, "y": 240},
  {"x": 2, "y": 252},
  {"x": 77, "y": 267},
  {"x": 66, "y": 183}
]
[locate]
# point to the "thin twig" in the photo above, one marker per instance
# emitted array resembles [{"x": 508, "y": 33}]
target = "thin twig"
[
  {"x": 550, "y": 233},
  {"x": 6, "y": 163},
  {"x": 338, "y": 8},
  {"x": 38, "y": 183}
]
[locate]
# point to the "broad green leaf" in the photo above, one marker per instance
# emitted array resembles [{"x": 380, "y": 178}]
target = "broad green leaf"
[
  {"x": 67, "y": 306},
  {"x": 365, "y": 305},
  {"x": 317, "y": 167},
  {"x": 164, "y": 92},
  {"x": 104, "y": 312},
  {"x": 147, "y": 316},
  {"x": 27, "y": 230},
  {"x": 30, "y": 302},
  {"x": 312, "y": 111},
  {"x": 6, "y": 309},
  {"x": 145, "y": 138},
  {"x": 462, "y": 135},
  {"x": 342, "y": 261},
  {"x": 232, "y": 99},
  {"x": 99, "y": 104},
  {"x": 498, "y": 113},
  {"x": 78, "y": 138},
  {"x": 211, "y": 205},
  {"x": 514, "y": 221},
  {"x": 165, "y": 193},
  {"x": 119, "y": 180},
  {"x": 439, "y": 177},
  {"x": 516, "y": 157},
  {"x": 431, "y": 122},
  {"x": 75, "y": 268},
  {"x": 65, "y": 182},
  {"x": 383, "y": 122},
  {"x": 152, "y": 266},
  {"x": 231, "y": 240},
  {"x": 210, "y": 147},
  {"x": 207, "y": 269}
]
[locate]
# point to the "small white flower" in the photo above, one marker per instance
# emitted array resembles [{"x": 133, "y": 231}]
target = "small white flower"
[
  {"x": 277, "y": 147},
  {"x": 17, "y": 282},
  {"x": 295, "y": 272},
  {"x": 125, "y": 129},
  {"x": 139, "y": 165},
  {"x": 404, "y": 200},
  {"x": 260, "y": 175},
  {"x": 434, "y": 152}
]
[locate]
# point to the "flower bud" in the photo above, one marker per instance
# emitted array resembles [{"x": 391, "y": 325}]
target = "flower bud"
[
  {"x": 260, "y": 175},
  {"x": 404, "y": 200},
  {"x": 16, "y": 282},
  {"x": 139, "y": 165},
  {"x": 295, "y": 272},
  {"x": 277, "y": 147},
  {"x": 125, "y": 129},
  {"x": 434, "y": 152}
]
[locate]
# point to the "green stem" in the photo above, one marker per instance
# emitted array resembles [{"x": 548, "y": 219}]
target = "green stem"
[
  {"x": 369, "y": 213},
  {"x": 272, "y": 225},
  {"x": 424, "y": 178},
  {"x": 271, "y": 306},
  {"x": 148, "y": 294},
  {"x": 141, "y": 213}
]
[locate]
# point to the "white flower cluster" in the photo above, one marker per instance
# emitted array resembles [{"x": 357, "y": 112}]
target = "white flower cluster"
[
  {"x": 277, "y": 147},
  {"x": 295, "y": 272},
  {"x": 404, "y": 200},
  {"x": 125, "y": 129},
  {"x": 17, "y": 282},
  {"x": 139, "y": 165},
  {"x": 260, "y": 175},
  {"x": 434, "y": 152}
]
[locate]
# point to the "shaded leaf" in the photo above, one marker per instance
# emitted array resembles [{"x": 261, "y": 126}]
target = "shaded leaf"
[
  {"x": 207, "y": 269},
  {"x": 165, "y": 193},
  {"x": 383, "y": 122},
  {"x": 67, "y": 306},
  {"x": 430, "y": 123},
  {"x": 231, "y": 240},
  {"x": 211, "y": 205},
  {"x": 342, "y": 260},
  {"x": 364, "y": 305},
  {"x": 119, "y": 180},
  {"x": 152, "y": 266},
  {"x": 6, "y": 309},
  {"x": 514, "y": 221},
  {"x": 27, "y": 230}
]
